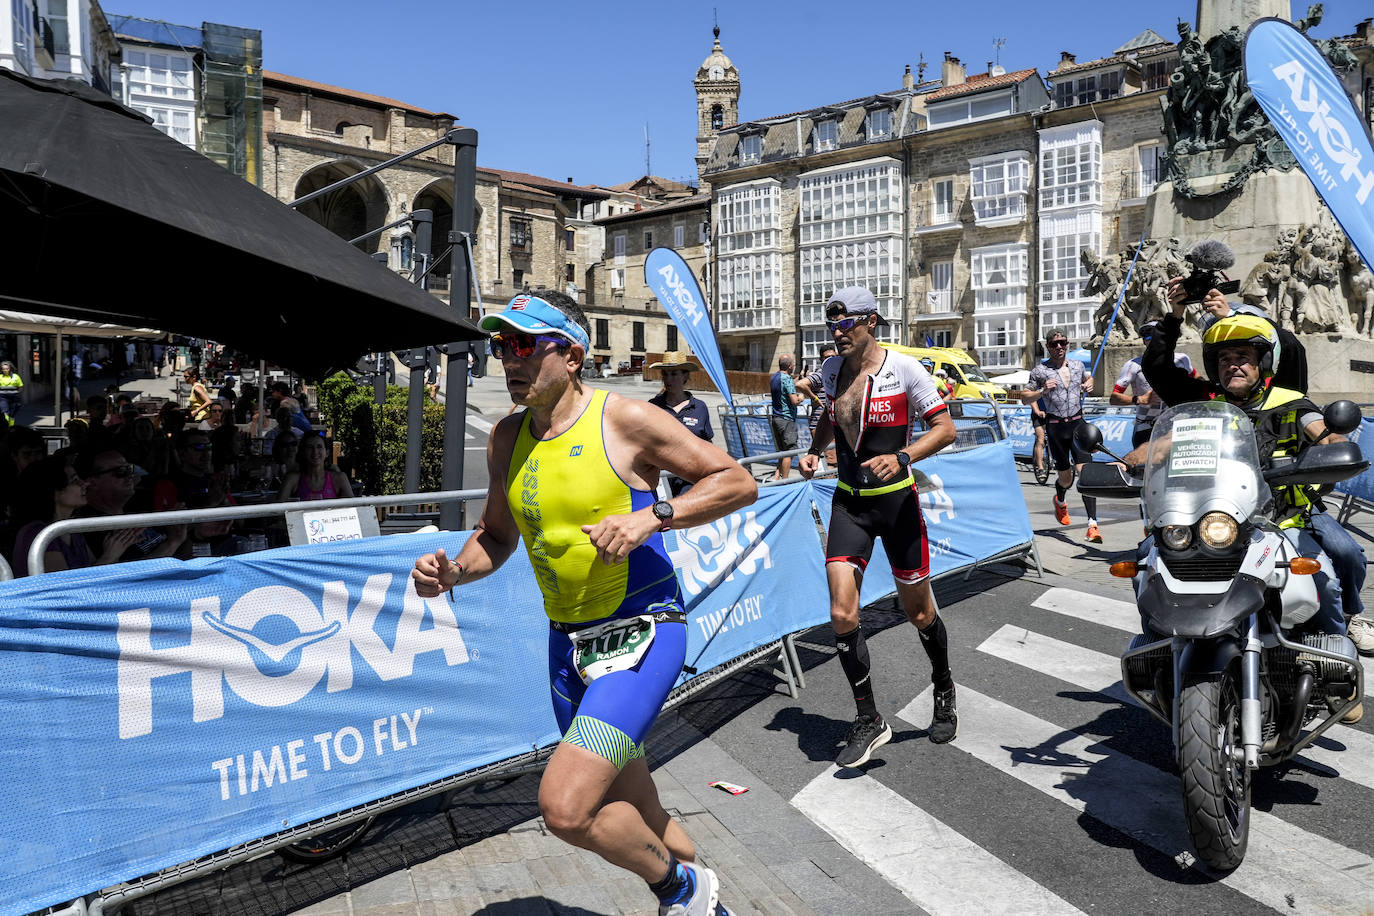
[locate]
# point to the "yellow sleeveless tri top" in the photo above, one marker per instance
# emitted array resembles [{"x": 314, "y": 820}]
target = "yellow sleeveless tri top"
[{"x": 554, "y": 487}]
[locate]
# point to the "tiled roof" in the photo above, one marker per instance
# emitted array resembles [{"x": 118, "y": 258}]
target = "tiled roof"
[
  {"x": 301, "y": 83},
  {"x": 544, "y": 184},
  {"x": 673, "y": 206},
  {"x": 979, "y": 82}
]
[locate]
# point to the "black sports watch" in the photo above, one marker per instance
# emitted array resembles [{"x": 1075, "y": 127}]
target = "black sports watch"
[
  {"x": 663, "y": 511},
  {"x": 903, "y": 459}
]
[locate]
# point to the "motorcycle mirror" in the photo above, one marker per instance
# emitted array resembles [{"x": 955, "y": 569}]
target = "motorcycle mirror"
[
  {"x": 1342, "y": 416},
  {"x": 1088, "y": 437}
]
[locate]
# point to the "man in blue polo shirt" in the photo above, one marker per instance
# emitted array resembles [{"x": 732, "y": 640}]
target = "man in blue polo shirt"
[{"x": 784, "y": 418}]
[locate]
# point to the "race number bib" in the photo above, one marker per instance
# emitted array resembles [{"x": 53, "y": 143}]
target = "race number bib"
[{"x": 616, "y": 645}]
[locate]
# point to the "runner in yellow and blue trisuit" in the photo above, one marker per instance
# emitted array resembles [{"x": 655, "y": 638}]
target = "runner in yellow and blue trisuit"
[{"x": 577, "y": 471}]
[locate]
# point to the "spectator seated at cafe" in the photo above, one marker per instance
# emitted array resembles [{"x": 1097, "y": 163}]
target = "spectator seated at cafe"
[
  {"x": 110, "y": 485},
  {"x": 52, "y": 491},
  {"x": 286, "y": 424},
  {"x": 284, "y": 452},
  {"x": 212, "y": 538},
  {"x": 138, "y": 441},
  {"x": 78, "y": 432},
  {"x": 192, "y": 478},
  {"x": 315, "y": 477},
  {"x": 214, "y": 416}
]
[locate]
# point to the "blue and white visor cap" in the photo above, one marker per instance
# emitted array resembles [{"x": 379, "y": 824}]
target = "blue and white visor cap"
[{"x": 535, "y": 316}]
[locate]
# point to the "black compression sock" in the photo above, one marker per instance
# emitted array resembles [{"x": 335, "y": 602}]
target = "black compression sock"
[
  {"x": 854, "y": 660},
  {"x": 670, "y": 886},
  {"x": 1090, "y": 506},
  {"x": 935, "y": 641},
  {"x": 1059, "y": 491}
]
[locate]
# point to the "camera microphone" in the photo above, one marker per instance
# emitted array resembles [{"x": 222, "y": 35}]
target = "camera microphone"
[{"x": 1209, "y": 258}]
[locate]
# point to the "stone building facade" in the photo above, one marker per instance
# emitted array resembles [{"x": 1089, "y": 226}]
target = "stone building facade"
[
  {"x": 627, "y": 320},
  {"x": 529, "y": 231},
  {"x": 1005, "y": 179}
]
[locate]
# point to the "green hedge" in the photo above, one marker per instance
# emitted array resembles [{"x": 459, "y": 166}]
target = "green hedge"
[{"x": 372, "y": 439}]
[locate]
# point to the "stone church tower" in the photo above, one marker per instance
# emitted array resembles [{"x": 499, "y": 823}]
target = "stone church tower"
[{"x": 717, "y": 86}]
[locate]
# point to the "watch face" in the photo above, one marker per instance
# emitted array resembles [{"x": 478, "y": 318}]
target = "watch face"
[{"x": 663, "y": 509}]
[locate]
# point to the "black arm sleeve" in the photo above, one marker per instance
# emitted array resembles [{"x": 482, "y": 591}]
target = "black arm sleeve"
[{"x": 1174, "y": 384}]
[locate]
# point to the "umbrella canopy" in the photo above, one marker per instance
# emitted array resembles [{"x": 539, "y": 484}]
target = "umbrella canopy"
[
  {"x": 28, "y": 323},
  {"x": 112, "y": 221}
]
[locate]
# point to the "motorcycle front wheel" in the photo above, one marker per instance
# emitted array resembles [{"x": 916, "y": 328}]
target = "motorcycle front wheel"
[{"x": 1216, "y": 782}]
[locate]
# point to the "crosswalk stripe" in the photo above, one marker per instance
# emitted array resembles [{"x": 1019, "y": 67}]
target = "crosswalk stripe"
[
  {"x": 1109, "y": 612},
  {"x": 1347, "y": 751},
  {"x": 1063, "y": 660},
  {"x": 478, "y": 423},
  {"x": 1286, "y": 868},
  {"x": 1117, "y": 614},
  {"x": 937, "y": 868}
]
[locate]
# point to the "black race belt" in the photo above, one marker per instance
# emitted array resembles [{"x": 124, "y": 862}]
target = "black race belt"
[{"x": 657, "y": 616}]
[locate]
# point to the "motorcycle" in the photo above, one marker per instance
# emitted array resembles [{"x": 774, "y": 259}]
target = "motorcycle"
[{"x": 1224, "y": 659}]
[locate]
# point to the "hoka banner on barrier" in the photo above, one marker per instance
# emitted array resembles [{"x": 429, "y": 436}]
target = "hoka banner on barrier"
[
  {"x": 750, "y": 578},
  {"x": 973, "y": 509},
  {"x": 1304, "y": 99},
  {"x": 1361, "y": 487},
  {"x": 680, "y": 295},
  {"x": 1116, "y": 431},
  {"x": 161, "y": 711}
]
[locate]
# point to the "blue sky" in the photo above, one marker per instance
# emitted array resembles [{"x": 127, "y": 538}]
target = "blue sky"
[{"x": 567, "y": 89}]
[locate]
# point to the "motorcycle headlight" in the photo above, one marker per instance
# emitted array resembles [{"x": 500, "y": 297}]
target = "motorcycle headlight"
[
  {"x": 1176, "y": 537},
  {"x": 1217, "y": 529}
]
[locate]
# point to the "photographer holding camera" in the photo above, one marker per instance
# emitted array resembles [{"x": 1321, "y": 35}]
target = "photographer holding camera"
[{"x": 1262, "y": 369}]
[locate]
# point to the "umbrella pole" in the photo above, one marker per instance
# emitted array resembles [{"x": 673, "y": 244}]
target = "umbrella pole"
[
  {"x": 262, "y": 397},
  {"x": 453, "y": 515},
  {"x": 59, "y": 383}
]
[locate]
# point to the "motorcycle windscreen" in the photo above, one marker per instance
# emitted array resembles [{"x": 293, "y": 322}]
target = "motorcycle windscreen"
[{"x": 1203, "y": 458}]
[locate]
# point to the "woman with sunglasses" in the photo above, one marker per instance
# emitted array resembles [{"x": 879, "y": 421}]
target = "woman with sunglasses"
[
  {"x": 199, "y": 403},
  {"x": 51, "y": 491},
  {"x": 574, "y": 475}
]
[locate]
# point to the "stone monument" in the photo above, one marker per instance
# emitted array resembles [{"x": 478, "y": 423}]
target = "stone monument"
[{"x": 1229, "y": 176}]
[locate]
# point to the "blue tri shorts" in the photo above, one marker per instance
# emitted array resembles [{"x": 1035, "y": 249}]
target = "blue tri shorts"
[{"x": 612, "y": 716}]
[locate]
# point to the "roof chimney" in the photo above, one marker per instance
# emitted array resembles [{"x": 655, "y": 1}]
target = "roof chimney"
[
  {"x": 1363, "y": 31},
  {"x": 907, "y": 81},
  {"x": 1066, "y": 59},
  {"x": 951, "y": 71},
  {"x": 569, "y": 179}
]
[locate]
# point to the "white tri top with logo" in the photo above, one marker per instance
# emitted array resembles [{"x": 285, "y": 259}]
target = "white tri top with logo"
[{"x": 896, "y": 396}]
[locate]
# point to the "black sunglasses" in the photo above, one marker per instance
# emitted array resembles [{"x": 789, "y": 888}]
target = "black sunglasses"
[{"x": 1059, "y": 343}]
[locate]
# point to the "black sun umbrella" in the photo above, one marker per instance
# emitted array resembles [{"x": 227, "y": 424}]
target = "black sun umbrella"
[{"x": 110, "y": 220}]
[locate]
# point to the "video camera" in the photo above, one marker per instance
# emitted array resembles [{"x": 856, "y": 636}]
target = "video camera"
[{"x": 1209, "y": 258}]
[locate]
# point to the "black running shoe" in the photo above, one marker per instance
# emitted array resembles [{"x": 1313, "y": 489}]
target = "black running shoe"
[
  {"x": 945, "y": 724},
  {"x": 867, "y": 735}
]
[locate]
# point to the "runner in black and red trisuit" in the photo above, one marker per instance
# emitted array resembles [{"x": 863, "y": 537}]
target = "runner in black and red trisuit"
[{"x": 874, "y": 396}]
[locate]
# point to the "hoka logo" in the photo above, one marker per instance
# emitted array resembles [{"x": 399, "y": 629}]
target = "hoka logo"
[
  {"x": 708, "y": 555},
  {"x": 1331, "y": 134},
  {"x": 688, "y": 303},
  {"x": 274, "y": 645}
]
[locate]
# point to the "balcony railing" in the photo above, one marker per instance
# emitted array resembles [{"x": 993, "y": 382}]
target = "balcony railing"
[
  {"x": 928, "y": 217},
  {"x": 1138, "y": 183},
  {"x": 939, "y": 302},
  {"x": 45, "y": 44}
]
